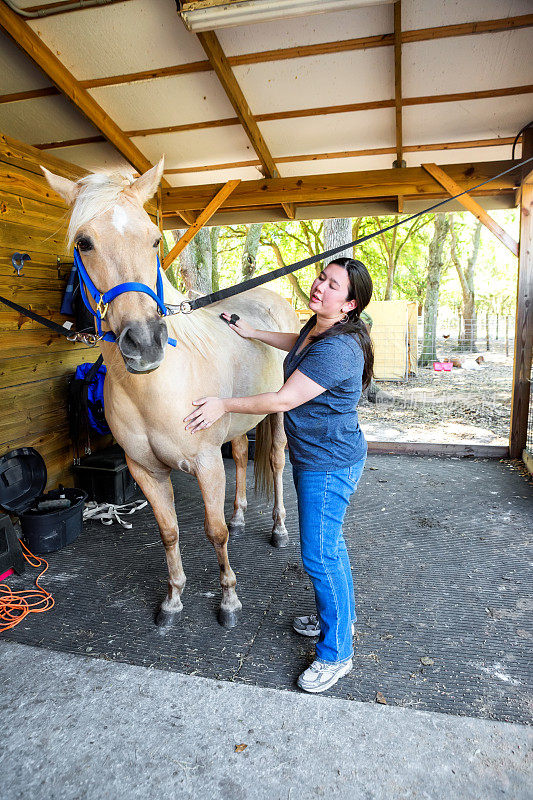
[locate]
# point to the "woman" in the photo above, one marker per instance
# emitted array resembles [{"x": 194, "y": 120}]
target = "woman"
[{"x": 328, "y": 364}]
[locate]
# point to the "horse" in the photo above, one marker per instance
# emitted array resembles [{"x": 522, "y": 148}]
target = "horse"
[{"x": 150, "y": 385}]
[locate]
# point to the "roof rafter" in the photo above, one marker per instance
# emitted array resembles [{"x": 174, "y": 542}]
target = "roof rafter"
[
  {"x": 214, "y": 52},
  {"x": 398, "y": 80},
  {"x": 375, "y": 151},
  {"x": 399, "y": 162},
  {"x": 307, "y": 112},
  {"x": 282, "y": 54},
  {"x": 28, "y": 41}
]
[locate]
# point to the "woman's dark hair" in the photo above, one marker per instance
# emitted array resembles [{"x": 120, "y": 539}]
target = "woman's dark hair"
[{"x": 360, "y": 290}]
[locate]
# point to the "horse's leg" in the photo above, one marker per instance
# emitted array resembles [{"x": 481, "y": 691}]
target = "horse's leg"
[
  {"x": 239, "y": 449},
  {"x": 158, "y": 490},
  {"x": 280, "y": 536},
  {"x": 212, "y": 480}
]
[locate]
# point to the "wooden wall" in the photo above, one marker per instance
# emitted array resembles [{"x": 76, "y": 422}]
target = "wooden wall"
[{"x": 35, "y": 363}]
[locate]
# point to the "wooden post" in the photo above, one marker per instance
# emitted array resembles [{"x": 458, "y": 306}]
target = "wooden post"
[
  {"x": 487, "y": 330},
  {"x": 524, "y": 313}
]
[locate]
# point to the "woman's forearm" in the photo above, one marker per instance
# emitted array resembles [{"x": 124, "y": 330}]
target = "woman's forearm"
[
  {"x": 283, "y": 341},
  {"x": 267, "y": 403}
]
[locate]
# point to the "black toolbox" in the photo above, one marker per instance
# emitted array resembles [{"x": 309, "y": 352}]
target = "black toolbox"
[
  {"x": 48, "y": 521},
  {"x": 105, "y": 476}
]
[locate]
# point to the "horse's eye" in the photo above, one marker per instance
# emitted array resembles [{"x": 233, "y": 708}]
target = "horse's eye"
[
  {"x": 84, "y": 244},
  {"x": 157, "y": 242}
]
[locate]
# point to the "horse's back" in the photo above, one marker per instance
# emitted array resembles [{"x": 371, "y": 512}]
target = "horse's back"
[{"x": 263, "y": 309}]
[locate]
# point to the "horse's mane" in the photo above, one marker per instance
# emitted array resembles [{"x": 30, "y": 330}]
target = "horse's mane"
[
  {"x": 199, "y": 331},
  {"x": 98, "y": 193}
]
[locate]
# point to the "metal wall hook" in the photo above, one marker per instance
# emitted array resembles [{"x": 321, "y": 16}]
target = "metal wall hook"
[{"x": 18, "y": 259}]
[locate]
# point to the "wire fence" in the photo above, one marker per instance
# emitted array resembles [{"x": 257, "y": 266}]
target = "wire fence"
[
  {"x": 404, "y": 346},
  {"x": 443, "y": 381},
  {"x": 529, "y": 438}
]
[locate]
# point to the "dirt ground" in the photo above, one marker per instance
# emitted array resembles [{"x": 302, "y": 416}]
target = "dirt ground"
[{"x": 469, "y": 405}]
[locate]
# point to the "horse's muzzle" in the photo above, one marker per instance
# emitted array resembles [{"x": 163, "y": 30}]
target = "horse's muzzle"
[{"x": 142, "y": 344}]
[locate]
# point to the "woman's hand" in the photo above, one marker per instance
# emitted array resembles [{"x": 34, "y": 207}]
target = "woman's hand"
[
  {"x": 209, "y": 410},
  {"x": 241, "y": 327}
]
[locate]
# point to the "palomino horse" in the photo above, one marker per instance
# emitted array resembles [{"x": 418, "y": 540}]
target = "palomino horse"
[{"x": 150, "y": 385}]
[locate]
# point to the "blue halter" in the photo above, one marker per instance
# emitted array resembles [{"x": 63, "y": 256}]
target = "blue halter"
[{"x": 103, "y": 300}]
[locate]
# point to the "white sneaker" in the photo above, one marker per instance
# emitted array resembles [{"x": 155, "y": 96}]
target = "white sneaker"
[
  {"x": 322, "y": 675},
  {"x": 310, "y": 626}
]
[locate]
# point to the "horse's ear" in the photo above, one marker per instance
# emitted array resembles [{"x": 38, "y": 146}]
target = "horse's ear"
[
  {"x": 146, "y": 186},
  {"x": 67, "y": 189}
]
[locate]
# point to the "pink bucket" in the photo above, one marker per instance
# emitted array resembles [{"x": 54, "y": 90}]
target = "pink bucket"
[
  {"x": 437, "y": 366},
  {"x": 447, "y": 366}
]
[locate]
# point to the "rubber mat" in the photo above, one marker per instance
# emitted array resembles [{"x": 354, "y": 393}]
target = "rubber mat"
[{"x": 439, "y": 549}]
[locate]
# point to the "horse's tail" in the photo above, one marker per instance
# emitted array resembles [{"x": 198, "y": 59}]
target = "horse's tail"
[{"x": 264, "y": 478}]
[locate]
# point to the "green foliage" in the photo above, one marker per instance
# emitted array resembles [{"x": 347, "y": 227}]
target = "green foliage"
[{"x": 495, "y": 273}]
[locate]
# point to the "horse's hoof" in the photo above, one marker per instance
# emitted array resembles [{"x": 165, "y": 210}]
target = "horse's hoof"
[
  {"x": 164, "y": 619},
  {"x": 227, "y": 618},
  {"x": 279, "y": 539},
  {"x": 235, "y": 529}
]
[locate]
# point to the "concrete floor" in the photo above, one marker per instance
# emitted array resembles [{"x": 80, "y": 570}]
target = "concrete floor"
[
  {"x": 440, "y": 549},
  {"x": 76, "y": 727}
]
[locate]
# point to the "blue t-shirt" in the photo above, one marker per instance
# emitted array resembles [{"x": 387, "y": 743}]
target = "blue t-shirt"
[{"x": 324, "y": 433}]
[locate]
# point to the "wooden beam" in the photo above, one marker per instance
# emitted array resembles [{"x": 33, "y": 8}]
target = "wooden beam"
[
  {"x": 398, "y": 80},
  {"x": 216, "y": 56},
  {"x": 319, "y": 111},
  {"x": 211, "y": 45},
  {"x": 471, "y": 205},
  {"x": 437, "y": 449},
  {"x": 523, "y": 347},
  {"x": 283, "y": 54},
  {"x": 70, "y": 143},
  {"x": 63, "y": 7},
  {"x": 30, "y": 94},
  {"x": 371, "y": 151},
  {"x": 187, "y": 216},
  {"x": 347, "y": 186},
  {"x": 28, "y": 41},
  {"x": 201, "y": 220}
]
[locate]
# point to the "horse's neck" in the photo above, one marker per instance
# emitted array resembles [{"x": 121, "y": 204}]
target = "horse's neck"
[
  {"x": 197, "y": 333},
  {"x": 170, "y": 293}
]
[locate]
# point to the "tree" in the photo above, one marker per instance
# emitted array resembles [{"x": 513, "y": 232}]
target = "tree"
[
  {"x": 214, "y": 233},
  {"x": 337, "y": 232},
  {"x": 467, "y": 340},
  {"x": 292, "y": 241},
  {"x": 431, "y": 305},
  {"x": 392, "y": 244},
  {"x": 291, "y": 277},
  {"x": 249, "y": 253}
]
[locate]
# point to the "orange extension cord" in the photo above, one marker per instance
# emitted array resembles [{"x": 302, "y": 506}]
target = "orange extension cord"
[{"x": 14, "y": 606}]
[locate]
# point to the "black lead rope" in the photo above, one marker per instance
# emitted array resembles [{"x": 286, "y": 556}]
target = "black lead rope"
[{"x": 214, "y": 297}]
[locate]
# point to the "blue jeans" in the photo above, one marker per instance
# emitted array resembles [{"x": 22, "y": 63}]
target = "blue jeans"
[{"x": 323, "y": 498}]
